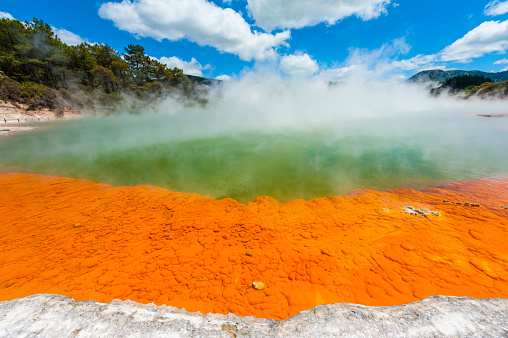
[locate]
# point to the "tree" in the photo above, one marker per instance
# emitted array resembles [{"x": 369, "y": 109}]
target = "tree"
[
  {"x": 106, "y": 78},
  {"x": 139, "y": 63},
  {"x": 104, "y": 54},
  {"x": 11, "y": 31},
  {"x": 81, "y": 58},
  {"x": 39, "y": 67},
  {"x": 461, "y": 82},
  {"x": 121, "y": 70}
]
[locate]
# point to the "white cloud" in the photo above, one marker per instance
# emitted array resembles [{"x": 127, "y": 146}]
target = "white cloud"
[
  {"x": 384, "y": 64},
  {"x": 199, "y": 21},
  {"x": 338, "y": 74},
  {"x": 299, "y": 65},
  {"x": 68, "y": 37},
  {"x": 489, "y": 37},
  {"x": 223, "y": 77},
  {"x": 496, "y": 7},
  {"x": 193, "y": 67},
  {"x": 5, "y": 15},
  {"x": 300, "y": 13},
  {"x": 501, "y": 62},
  {"x": 418, "y": 62}
]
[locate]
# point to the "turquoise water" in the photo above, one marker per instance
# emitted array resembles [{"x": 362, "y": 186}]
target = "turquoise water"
[{"x": 174, "y": 153}]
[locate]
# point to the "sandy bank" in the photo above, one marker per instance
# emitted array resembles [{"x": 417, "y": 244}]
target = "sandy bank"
[{"x": 16, "y": 117}]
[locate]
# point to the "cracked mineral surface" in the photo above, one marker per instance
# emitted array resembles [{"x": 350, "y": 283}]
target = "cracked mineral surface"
[{"x": 96, "y": 242}]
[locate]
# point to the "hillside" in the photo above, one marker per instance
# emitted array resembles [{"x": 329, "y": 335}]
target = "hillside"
[
  {"x": 202, "y": 80},
  {"x": 437, "y": 75},
  {"x": 40, "y": 71}
]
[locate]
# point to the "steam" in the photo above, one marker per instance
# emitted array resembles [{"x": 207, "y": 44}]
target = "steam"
[{"x": 266, "y": 135}]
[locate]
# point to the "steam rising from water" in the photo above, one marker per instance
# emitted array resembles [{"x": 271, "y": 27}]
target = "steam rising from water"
[{"x": 286, "y": 139}]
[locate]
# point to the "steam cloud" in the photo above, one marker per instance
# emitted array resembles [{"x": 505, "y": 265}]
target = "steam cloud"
[{"x": 265, "y": 135}]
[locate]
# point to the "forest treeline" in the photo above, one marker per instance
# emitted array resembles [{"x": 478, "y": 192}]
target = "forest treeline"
[
  {"x": 38, "y": 69},
  {"x": 470, "y": 86},
  {"x": 460, "y": 83},
  {"x": 465, "y": 84}
]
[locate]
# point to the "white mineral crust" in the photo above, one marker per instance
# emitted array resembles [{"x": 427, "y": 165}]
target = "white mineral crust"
[{"x": 438, "y": 316}]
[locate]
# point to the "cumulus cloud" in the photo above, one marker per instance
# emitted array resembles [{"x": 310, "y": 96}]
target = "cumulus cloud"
[
  {"x": 298, "y": 65},
  {"x": 419, "y": 62},
  {"x": 199, "y": 21},
  {"x": 338, "y": 74},
  {"x": 489, "y": 37},
  {"x": 391, "y": 57},
  {"x": 387, "y": 63},
  {"x": 68, "y": 37},
  {"x": 496, "y": 7},
  {"x": 193, "y": 67},
  {"x": 501, "y": 62},
  {"x": 223, "y": 77},
  {"x": 5, "y": 15},
  {"x": 300, "y": 13}
]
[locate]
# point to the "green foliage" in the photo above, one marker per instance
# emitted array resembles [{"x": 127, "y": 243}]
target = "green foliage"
[
  {"x": 38, "y": 68},
  {"x": 465, "y": 83},
  {"x": 33, "y": 94},
  {"x": 490, "y": 90},
  {"x": 461, "y": 82},
  {"x": 438, "y": 75},
  {"x": 139, "y": 63}
]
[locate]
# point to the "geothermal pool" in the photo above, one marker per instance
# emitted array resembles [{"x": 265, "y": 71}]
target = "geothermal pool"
[
  {"x": 94, "y": 241},
  {"x": 197, "y": 152}
]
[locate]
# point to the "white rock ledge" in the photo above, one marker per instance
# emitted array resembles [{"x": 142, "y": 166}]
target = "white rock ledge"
[{"x": 438, "y": 316}]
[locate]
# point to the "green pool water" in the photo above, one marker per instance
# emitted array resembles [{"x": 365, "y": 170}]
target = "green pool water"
[{"x": 241, "y": 163}]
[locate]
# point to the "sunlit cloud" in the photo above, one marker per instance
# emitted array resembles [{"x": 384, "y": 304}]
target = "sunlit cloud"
[
  {"x": 192, "y": 67},
  {"x": 301, "y": 13},
  {"x": 496, "y": 7},
  {"x": 223, "y": 77},
  {"x": 68, "y": 37},
  {"x": 501, "y": 62},
  {"x": 298, "y": 65},
  {"x": 198, "y": 21},
  {"x": 5, "y": 15},
  {"x": 489, "y": 37}
]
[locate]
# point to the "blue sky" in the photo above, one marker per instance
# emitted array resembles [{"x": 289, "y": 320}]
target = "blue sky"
[{"x": 390, "y": 40}]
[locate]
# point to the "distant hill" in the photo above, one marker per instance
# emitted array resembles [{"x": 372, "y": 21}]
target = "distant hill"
[
  {"x": 455, "y": 82},
  {"x": 441, "y": 75},
  {"x": 203, "y": 80}
]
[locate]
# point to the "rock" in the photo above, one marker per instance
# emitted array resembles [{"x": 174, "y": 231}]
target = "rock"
[
  {"x": 59, "y": 316},
  {"x": 419, "y": 212},
  {"x": 258, "y": 285}
]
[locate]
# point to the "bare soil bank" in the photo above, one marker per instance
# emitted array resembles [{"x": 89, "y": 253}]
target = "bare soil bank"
[{"x": 16, "y": 117}]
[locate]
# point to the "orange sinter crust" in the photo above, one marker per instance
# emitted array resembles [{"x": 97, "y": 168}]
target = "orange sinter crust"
[{"x": 96, "y": 242}]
